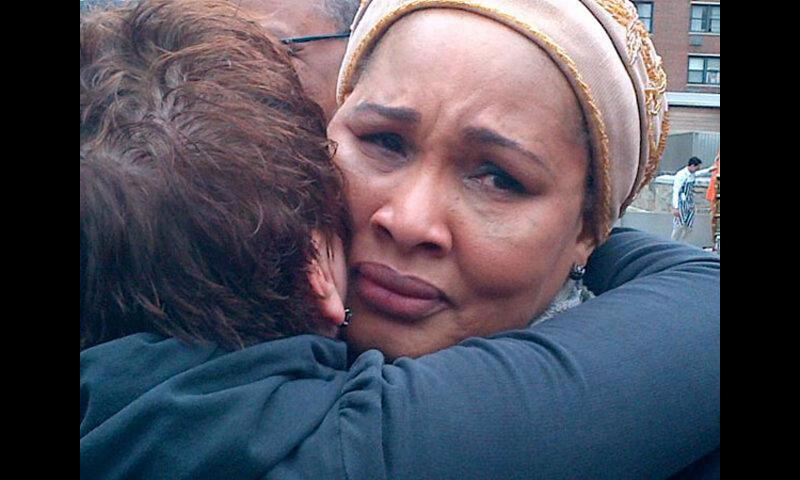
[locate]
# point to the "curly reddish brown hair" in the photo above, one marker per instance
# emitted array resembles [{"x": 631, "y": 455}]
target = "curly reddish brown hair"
[{"x": 204, "y": 170}]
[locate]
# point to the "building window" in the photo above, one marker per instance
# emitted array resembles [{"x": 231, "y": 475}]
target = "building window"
[
  {"x": 703, "y": 70},
  {"x": 705, "y": 18},
  {"x": 645, "y": 10}
]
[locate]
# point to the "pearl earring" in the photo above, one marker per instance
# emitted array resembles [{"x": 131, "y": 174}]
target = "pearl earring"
[
  {"x": 348, "y": 315},
  {"x": 577, "y": 272}
]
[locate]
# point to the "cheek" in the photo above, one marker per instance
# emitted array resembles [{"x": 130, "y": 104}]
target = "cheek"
[
  {"x": 359, "y": 184},
  {"x": 499, "y": 262},
  {"x": 515, "y": 267}
]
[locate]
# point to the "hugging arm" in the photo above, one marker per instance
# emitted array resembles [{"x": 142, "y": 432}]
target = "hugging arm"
[
  {"x": 624, "y": 386},
  {"x": 631, "y": 255}
]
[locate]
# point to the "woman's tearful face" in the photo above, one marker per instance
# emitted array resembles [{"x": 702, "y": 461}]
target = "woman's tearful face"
[{"x": 464, "y": 151}]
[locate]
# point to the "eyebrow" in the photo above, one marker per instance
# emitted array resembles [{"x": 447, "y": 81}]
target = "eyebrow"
[
  {"x": 485, "y": 136},
  {"x": 397, "y": 114}
]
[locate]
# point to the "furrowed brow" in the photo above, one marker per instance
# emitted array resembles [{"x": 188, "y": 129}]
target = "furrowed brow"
[
  {"x": 397, "y": 114},
  {"x": 485, "y": 136}
]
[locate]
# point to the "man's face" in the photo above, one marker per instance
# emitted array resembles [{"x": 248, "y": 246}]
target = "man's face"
[
  {"x": 317, "y": 62},
  {"x": 694, "y": 168}
]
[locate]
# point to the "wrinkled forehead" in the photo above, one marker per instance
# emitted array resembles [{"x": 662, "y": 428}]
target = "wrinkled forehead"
[{"x": 472, "y": 62}]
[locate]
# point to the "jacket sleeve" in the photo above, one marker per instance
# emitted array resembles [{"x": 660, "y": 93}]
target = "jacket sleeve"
[
  {"x": 624, "y": 386},
  {"x": 632, "y": 255}
]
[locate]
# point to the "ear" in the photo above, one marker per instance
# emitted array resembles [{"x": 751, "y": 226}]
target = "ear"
[
  {"x": 322, "y": 279},
  {"x": 584, "y": 245}
]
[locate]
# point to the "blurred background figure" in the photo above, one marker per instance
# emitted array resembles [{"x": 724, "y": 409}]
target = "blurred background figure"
[
  {"x": 683, "y": 209},
  {"x": 712, "y": 195}
]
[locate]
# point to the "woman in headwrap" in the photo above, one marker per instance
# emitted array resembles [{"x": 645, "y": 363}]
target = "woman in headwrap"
[
  {"x": 551, "y": 107},
  {"x": 489, "y": 147}
]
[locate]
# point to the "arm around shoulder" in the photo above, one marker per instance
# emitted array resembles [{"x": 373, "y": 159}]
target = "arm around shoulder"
[{"x": 624, "y": 386}]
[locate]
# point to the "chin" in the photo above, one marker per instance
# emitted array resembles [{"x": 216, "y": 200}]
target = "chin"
[{"x": 391, "y": 338}]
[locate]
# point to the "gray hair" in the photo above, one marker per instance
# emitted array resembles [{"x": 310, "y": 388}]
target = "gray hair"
[{"x": 341, "y": 11}]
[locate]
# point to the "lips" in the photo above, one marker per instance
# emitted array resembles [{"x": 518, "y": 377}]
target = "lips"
[{"x": 400, "y": 296}]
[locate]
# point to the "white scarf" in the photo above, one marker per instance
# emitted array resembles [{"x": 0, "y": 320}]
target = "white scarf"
[{"x": 572, "y": 294}]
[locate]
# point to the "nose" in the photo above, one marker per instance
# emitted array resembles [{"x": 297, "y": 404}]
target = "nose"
[{"x": 415, "y": 214}]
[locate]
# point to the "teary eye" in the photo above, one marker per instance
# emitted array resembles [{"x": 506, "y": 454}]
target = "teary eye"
[
  {"x": 493, "y": 176},
  {"x": 387, "y": 141}
]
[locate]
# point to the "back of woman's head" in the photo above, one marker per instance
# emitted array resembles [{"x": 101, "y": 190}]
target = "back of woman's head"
[{"x": 204, "y": 169}]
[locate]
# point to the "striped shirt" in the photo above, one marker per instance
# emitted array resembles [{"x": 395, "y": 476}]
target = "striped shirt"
[{"x": 683, "y": 197}]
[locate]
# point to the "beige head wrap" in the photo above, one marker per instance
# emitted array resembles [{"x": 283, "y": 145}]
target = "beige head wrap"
[{"x": 605, "y": 53}]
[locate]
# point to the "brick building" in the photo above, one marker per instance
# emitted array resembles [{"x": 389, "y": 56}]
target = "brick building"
[{"x": 686, "y": 35}]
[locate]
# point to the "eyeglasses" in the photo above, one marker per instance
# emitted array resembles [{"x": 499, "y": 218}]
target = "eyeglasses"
[{"x": 313, "y": 38}]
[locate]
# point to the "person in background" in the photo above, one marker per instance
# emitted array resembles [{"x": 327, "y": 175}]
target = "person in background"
[
  {"x": 711, "y": 197},
  {"x": 682, "y": 207},
  {"x": 315, "y": 33}
]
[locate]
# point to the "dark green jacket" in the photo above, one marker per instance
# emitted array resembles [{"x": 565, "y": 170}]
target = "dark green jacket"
[{"x": 603, "y": 391}]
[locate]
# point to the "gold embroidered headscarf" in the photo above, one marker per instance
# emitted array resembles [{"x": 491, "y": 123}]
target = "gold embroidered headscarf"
[{"x": 605, "y": 53}]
